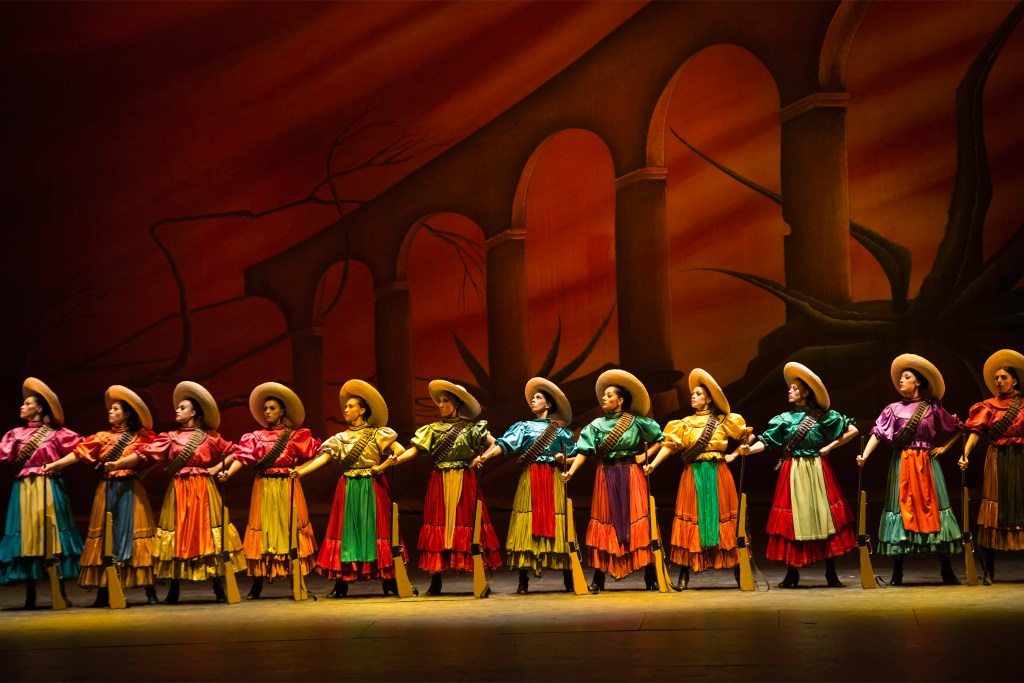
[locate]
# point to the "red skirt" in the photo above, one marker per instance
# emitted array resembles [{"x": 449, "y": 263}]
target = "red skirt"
[
  {"x": 435, "y": 553},
  {"x": 329, "y": 562},
  {"x": 782, "y": 543},
  {"x": 606, "y": 552}
]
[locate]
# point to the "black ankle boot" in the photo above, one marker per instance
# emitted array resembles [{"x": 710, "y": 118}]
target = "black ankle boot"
[
  {"x": 340, "y": 590},
  {"x": 172, "y": 592},
  {"x": 102, "y": 598},
  {"x": 30, "y": 594},
  {"x": 792, "y": 578},
  {"x": 389, "y": 586},
  {"x": 831, "y": 578},
  {"x": 151, "y": 595},
  {"x": 64, "y": 594},
  {"x": 650, "y": 578},
  {"x": 897, "y": 572},
  {"x": 684, "y": 578},
  {"x": 435, "y": 584},
  {"x": 597, "y": 583},
  {"x": 948, "y": 577},
  {"x": 567, "y": 581},
  {"x": 524, "y": 582},
  {"x": 736, "y": 575},
  {"x": 256, "y": 590},
  {"x": 988, "y": 566},
  {"x": 218, "y": 590}
]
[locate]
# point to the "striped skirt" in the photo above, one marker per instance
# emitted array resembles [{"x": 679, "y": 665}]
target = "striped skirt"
[
  {"x": 612, "y": 550},
  {"x": 21, "y": 549},
  {"x": 268, "y": 541},
  {"x": 448, "y": 515},
  {"x": 704, "y": 528},
  {"x": 132, "y": 539},
  {"x": 536, "y": 530}
]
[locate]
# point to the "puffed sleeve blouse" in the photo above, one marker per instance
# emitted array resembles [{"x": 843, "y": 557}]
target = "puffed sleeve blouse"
[
  {"x": 985, "y": 414},
  {"x": 168, "y": 445},
  {"x": 54, "y": 446},
  {"x": 829, "y": 427},
  {"x": 520, "y": 436},
  {"x": 936, "y": 421},
  {"x": 254, "y": 446}
]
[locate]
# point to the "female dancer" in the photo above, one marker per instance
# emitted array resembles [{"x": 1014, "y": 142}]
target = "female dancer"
[
  {"x": 358, "y": 542},
  {"x": 536, "y": 532},
  {"x": 704, "y": 528},
  {"x": 810, "y": 520},
  {"x": 188, "y": 538},
  {"x": 274, "y": 451},
  {"x": 917, "y": 516},
  {"x": 619, "y": 531},
  {"x": 450, "y": 507},
  {"x": 42, "y": 441},
  {"x": 113, "y": 453},
  {"x": 1000, "y": 418}
]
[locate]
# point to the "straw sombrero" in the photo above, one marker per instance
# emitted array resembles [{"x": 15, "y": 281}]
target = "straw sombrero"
[
  {"x": 1004, "y": 358},
  {"x": 793, "y": 371},
  {"x": 198, "y": 393},
  {"x": 36, "y": 386},
  {"x": 924, "y": 367},
  {"x": 699, "y": 376},
  {"x": 295, "y": 414},
  {"x": 561, "y": 407},
  {"x": 369, "y": 393},
  {"x": 118, "y": 392},
  {"x": 470, "y": 406},
  {"x": 620, "y": 378}
]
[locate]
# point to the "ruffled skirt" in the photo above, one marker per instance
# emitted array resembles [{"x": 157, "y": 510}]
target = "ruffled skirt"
[
  {"x": 358, "y": 542},
  {"x": 1001, "y": 518},
  {"x": 188, "y": 540},
  {"x": 917, "y": 517},
  {"x": 704, "y": 528},
  {"x": 21, "y": 549},
  {"x": 536, "y": 530},
  {"x": 268, "y": 542},
  {"x": 134, "y": 531},
  {"x": 822, "y": 526},
  {"x": 448, "y": 515},
  {"x": 607, "y": 552}
]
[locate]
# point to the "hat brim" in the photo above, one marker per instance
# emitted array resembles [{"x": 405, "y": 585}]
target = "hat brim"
[
  {"x": 562, "y": 408},
  {"x": 295, "y": 413},
  {"x": 197, "y": 392},
  {"x": 119, "y": 392},
  {"x": 367, "y": 392},
  {"x": 620, "y": 378},
  {"x": 699, "y": 376},
  {"x": 792, "y": 371},
  {"x": 1004, "y": 358},
  {"x": 470, "y": 406},
  {"x": 32, "y": 385},
  {"x": 911, "y": 361}
]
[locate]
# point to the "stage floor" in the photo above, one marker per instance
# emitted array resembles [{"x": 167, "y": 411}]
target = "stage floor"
[{"x": 710, "y": 632}]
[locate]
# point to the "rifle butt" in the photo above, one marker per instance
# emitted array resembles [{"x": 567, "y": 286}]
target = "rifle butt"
[
  {"x": 968, "y": 541},
  {"x": 405, "y": 587},
  {"x": 480, "y": 587},
  {"x": 299, "y": 592},
  {"x": 114, "y": 588},
  {"x": 656, "y": 551},
  {"x": 57, "y": 600},
  {"x": 746, "y": 569},
  {"x": 579, "y": 581},
  {"x": 867, "y": 571}
]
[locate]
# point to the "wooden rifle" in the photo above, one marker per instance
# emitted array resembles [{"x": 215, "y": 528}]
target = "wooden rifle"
[
  {"x": 867, "y": 572},
  {"x": 230, "y": 582},
  {"x": 968, "y": 539},
  {"x": 659, "y": 557},
  {"x": 402, "y": 584},
  {"x": 579, "y": 581},
  {"x": 299, "y": 591},
  {"x": 114, "y": 590},
  {"x": 481, "y": 588},
  {"x": 57, "y": 600},
  {"x": 742, "y": 547}
]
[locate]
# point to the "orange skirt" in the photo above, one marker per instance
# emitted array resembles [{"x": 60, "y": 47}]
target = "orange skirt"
[
  {"x": 684, "y": 548},
  {"x": 606, "y": 553}
]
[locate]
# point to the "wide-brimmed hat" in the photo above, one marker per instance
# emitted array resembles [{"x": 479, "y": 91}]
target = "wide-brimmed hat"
[
  {"x": 119, "y": 392},
  {"x": 1004, "y": 358},
  {"x": 793, "y": 371},
  {"x": 700, "y": 376},
  {"x": 561, "y": 406},
  {"x": 470, "y": 406},
  {"x": 295, "y": 413},
  {"x": 198, "y": 393},
  {"x": 620, "y": 378},
  {"x": 923, "y": 367},
  {"x": 369, "y": 393},
  {"x": 37, "y": 386}
]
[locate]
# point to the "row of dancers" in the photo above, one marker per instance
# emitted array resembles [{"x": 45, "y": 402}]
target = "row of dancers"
[{"x": 810, "y": 519}]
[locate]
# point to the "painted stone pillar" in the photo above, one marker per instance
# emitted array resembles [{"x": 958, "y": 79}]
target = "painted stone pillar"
[
  {"x": 816, "y": 198},
  {"x": 508, "y": 329},
  {"x": 308, "y": 368},
  {"x": 641, "y": 269},
  {"x": 393, "y": 345}
]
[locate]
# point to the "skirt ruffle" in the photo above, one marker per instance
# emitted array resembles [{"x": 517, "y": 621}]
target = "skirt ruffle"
[
  {"x": 685, "y": 547},
  {"x": 1002, "y": 496},
  {"x": 267, "y": 543},
  {"x": 21, "y": 548},
  {"x": 526, "y": 550},
  {"x": 133, "y": 536},
  {"x": 435, "y": 554},
  {"x": 893, "y": 536},
  {"x": 605, "y": 551}
]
